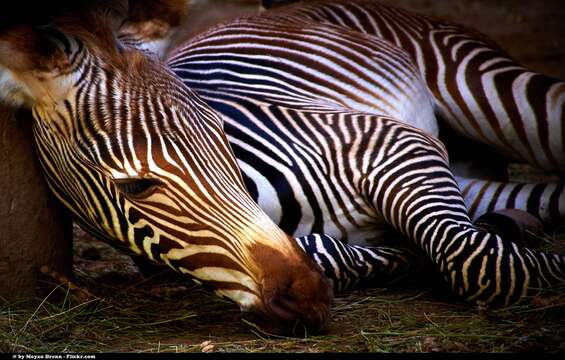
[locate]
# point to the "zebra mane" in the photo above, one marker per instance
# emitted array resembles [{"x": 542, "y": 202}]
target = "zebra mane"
[{"x": 94, "y": 22}]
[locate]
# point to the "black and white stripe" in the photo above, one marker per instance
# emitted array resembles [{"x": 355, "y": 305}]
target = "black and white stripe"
[{"x": 143, "y": 163}]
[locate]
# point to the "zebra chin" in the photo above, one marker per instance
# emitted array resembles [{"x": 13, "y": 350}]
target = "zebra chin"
[{"x": 281, "y": 290}]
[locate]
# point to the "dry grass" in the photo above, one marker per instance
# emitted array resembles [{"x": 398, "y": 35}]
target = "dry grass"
[{"x": 132, "y": 314}]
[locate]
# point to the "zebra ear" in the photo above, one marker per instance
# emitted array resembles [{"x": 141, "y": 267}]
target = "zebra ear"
[
  {"x": 151, "y": 24},
  {"x": 28, "y": 56}
]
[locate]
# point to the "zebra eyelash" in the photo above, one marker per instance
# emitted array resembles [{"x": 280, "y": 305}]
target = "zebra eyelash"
[{"x": 137, "y": 187}]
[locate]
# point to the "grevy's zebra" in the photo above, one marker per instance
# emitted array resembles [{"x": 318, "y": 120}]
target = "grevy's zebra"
[
  {"x": 157, "y": 177},
  {"x": 143, "y": 163},
  {"x": 296, "y": 97},
  {"x": 331, "y": 67}
]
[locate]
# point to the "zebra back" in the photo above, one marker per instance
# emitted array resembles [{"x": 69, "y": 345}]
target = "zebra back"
[{"x": 478, "y": 89}]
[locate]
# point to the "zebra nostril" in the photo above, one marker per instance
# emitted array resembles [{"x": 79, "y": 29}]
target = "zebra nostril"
[{"x": 292, "y": 319}]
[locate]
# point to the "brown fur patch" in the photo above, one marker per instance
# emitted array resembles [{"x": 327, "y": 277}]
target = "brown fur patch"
[
  {"x": 154, "y": 19},
  {"x": 294, "y": 279},
  {"x": 148, "y": 30}
]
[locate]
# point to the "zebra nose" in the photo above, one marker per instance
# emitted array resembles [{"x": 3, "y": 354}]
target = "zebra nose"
[
  {"x": 298, "y": 301},
  {"x": 297, "y": 315},
  {"x": 295, "y": 295}
]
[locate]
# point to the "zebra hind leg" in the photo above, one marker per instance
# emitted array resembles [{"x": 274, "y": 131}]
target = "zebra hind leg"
[{"x": 546, "y": 201}]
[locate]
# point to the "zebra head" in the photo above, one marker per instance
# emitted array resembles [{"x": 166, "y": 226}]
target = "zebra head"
[{"x": 144, "y": 164}]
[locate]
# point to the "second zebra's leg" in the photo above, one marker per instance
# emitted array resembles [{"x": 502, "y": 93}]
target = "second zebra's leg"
[
  {"x": 411, "y": 186},
  {"x": 523, "y": 209},
  {"x": 353, "y": 266},
  {"x": 543, "y": 200}
]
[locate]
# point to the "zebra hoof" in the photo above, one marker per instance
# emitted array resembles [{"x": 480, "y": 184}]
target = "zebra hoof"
[{"x": 513, "y": 225}]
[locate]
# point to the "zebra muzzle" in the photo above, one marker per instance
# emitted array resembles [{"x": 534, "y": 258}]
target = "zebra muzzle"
[
  {"x": 296, "y": 295},
  {"x": 284, "y": 315}
]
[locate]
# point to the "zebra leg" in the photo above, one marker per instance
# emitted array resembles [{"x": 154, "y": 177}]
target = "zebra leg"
[
  {"x": 353, "y": 266},
  {"x": 411, "y": 186},
  {"x": 545, "y": 201}
]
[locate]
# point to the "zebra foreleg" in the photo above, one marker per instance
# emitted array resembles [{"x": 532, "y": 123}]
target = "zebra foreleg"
[
  {"x": 411, "y": 186},
  {"x": 353, "y": 266}
]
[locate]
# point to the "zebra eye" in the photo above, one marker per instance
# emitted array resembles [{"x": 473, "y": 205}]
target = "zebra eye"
[{"x": 137, "y": 187}]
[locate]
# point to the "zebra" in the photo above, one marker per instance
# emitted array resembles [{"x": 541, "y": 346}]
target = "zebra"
[
  {"x": 323, "y": 154},
  {"x": 255, "y": 70},
  {"x": 143, "y": 163}
]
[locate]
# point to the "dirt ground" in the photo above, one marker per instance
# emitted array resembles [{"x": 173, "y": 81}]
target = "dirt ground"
[
  {"x": 125, "y": 312},
  {"x": 114, "y": 309}
]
